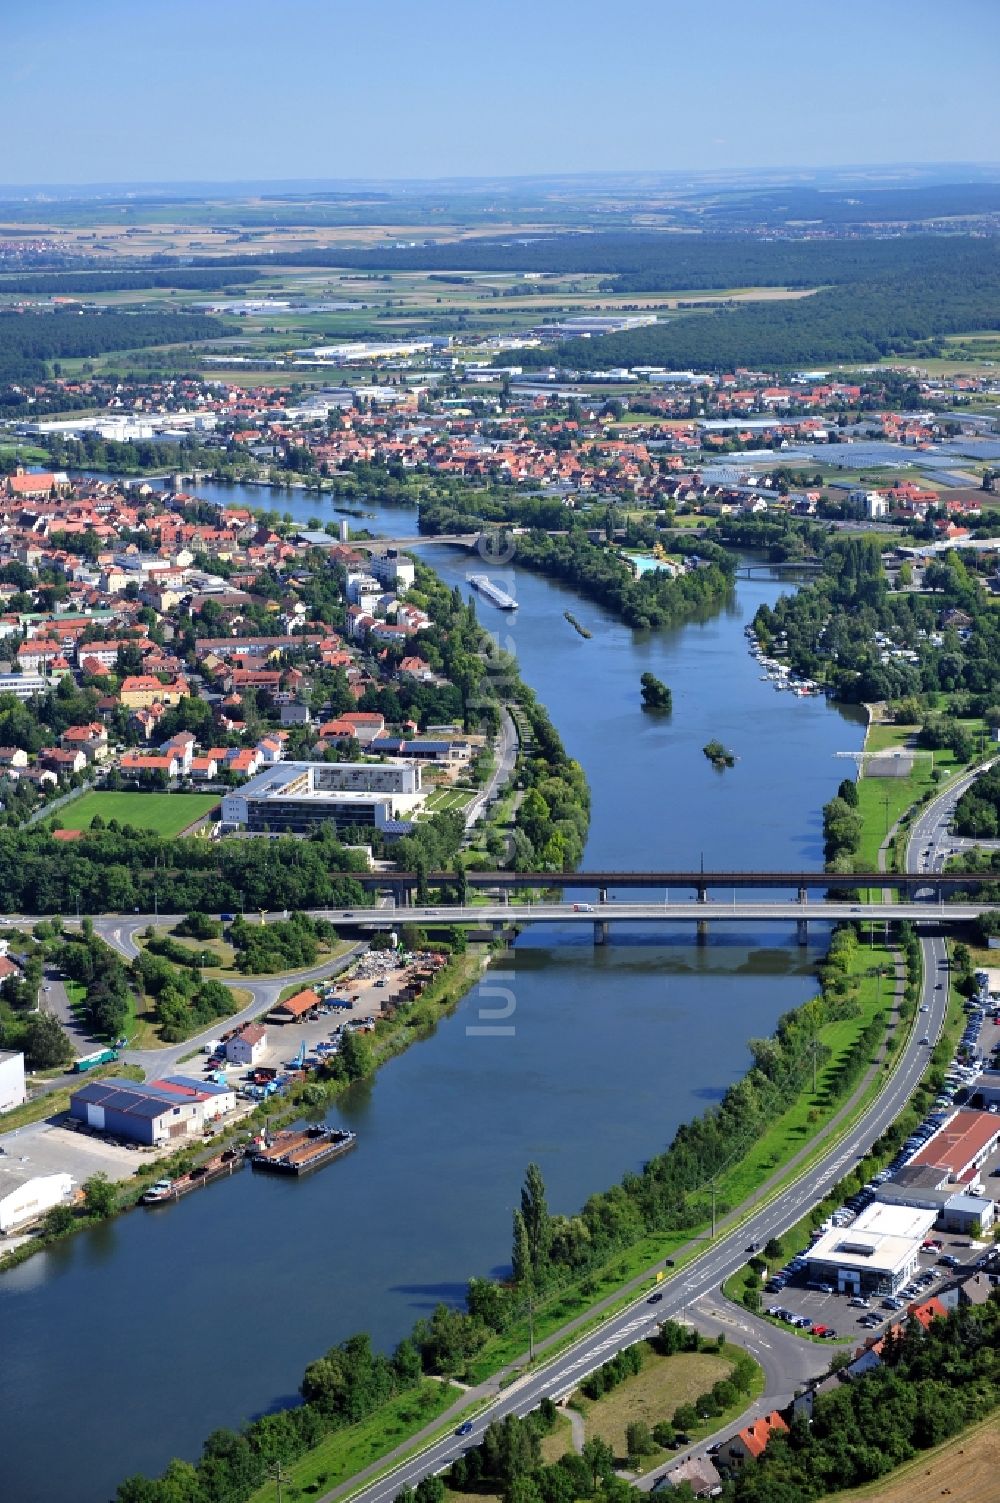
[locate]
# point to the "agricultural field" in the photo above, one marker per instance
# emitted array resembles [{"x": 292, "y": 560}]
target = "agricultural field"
[
  {"x": 966, "y": 1469},
  {"x": 166, "y": 814}
]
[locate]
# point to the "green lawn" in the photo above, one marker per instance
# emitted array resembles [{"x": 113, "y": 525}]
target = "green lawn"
[
  {"x": 163, "y": 813},
  {"x": 881, "y": 801}
]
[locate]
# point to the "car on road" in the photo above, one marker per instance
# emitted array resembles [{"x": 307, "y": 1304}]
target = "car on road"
[
  {"x": 925, "y": 1039},
  {"x": 753, "y": 1247},
  {"x": 583, "y": 907},
  {"x": 654, "y": 1299},
  {"x": 465, "y": 1428}
]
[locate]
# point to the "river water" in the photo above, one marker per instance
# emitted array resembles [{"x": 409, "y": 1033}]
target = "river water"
[{"x": 132, "y": 1342}]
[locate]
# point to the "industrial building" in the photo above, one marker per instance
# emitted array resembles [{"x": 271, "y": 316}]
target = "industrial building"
[
  {"x": 296, "y": 797},
  {"x": 12, "y": 1089},
  {"x": 877, "y": 1254},
  {"x": 25, "y": 1194},
  {"x": 153, "y": 1113},
  {"x": 961, "y": 1146}
]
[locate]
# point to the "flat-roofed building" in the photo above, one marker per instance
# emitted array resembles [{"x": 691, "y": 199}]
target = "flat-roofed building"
[
  {"x": 296, "y": 797},
  {"x": 875, "y": 1255}
]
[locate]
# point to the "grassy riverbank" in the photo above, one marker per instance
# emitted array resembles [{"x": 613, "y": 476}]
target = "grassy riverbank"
[{"x": 348, "y": 1451}]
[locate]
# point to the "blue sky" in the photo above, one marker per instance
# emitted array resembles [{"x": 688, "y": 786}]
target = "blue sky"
[{"x": 160, "y": 90}]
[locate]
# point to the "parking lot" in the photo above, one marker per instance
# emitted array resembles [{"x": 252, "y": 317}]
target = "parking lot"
[
  {"x": 842, "y": 1316},
  {"x": 50, "y": 1148},
  {"x": 358, "y": 998}
]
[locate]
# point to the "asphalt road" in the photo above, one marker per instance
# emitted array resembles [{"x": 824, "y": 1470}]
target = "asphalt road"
[
  {"x": 701, "y": 1279},
  {"x": 506, "y": 758}
]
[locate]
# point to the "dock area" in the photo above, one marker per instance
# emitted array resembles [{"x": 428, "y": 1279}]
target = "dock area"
[{"x": 203, "y": 1174}]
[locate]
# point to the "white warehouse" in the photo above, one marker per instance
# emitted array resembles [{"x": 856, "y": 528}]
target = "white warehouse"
[{"x": 25, "y": 1195}]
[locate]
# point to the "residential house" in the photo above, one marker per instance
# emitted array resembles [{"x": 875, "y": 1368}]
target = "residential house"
[
  {"x": 91, "y": 739},
  {"x": 141, "y": 690},
  {"x": 752, "y": 1440},
  {"x": 62, "y": 762},
  {"x": 247, "y": 1045}
]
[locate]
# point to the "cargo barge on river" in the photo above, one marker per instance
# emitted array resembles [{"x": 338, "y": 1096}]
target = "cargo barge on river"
[
  {"x": 492, "y": 592},
  {"x": 298, "y": 1151}
]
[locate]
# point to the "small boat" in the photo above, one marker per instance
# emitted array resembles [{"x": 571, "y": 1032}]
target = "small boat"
[{"x": 158, "y": 1193}]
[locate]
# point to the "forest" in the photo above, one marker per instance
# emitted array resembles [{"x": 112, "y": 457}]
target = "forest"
[
  {"x": 185, "y": 279},
  {"x": 112, "y": 870},
  {"x": 664, "y": 263},
  {"x": 28, "y": 340},
  {"x": 861, "y": 320}
]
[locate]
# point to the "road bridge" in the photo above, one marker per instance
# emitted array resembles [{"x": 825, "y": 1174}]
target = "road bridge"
[
  {"x": 935, "y": 916},
  {"x": 941, "y": 884}
]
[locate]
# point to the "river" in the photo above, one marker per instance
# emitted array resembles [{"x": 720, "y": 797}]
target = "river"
[{"x": 130, "y": 1343}]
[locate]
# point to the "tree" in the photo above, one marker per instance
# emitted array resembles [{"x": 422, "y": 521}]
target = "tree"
[
  {"x": 57, "y": 1221},
  {"x": 46, "y": 1043},
  {"x": 521, "y": 1253},
  {"x": 599, "y": 1459},
  {"x": 638, "y": 1440},
  {"x": 537, "y": 1222},
  {"x": 655, "y": 694},
  {"x": 356, "y": 1055},
  {"x": 429, "y": 1490},
  {"x": 99, "y": 1196}
]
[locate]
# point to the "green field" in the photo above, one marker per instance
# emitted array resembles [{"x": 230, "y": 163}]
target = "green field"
[{"x": 163, "y": 813}]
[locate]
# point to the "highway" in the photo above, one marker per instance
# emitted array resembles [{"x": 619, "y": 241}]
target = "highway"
[{"x": 728, "y": 1253}]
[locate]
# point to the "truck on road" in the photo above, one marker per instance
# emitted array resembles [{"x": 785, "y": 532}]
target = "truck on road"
[{"x": 99, "y": 1057}]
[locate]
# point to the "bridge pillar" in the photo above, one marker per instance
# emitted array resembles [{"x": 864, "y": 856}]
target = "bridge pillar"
[
  {"x": 802, "y": 927},
  {"x": 702, "y": 931},
  {"x": 803, "y": 894},
  {"x": 702, "y": 894},
  {"x": 600, "y": 932},
  {"x": 602, "y": 896}
]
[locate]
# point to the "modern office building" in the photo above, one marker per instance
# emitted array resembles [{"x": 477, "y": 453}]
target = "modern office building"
[{"x": 296, "y": 797}]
